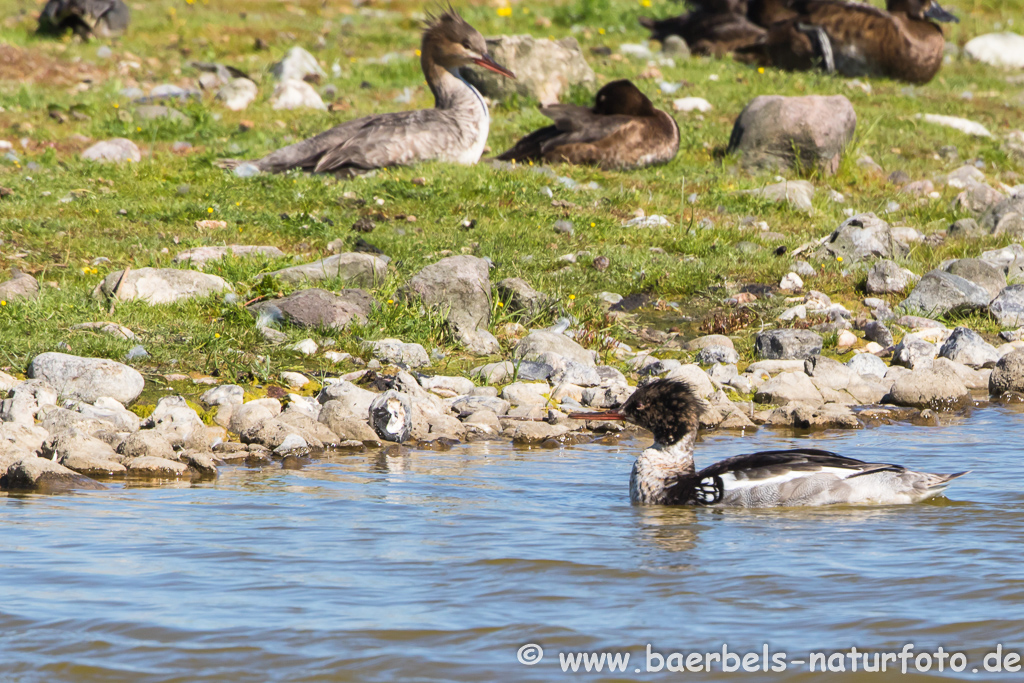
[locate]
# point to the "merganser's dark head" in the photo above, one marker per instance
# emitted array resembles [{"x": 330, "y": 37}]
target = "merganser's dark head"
[
  {"x": 622, "y": 98},
  {"x": 449, "y": 40},
  {"x": 922, "y": 10},
  {"x": 668, "y": 408}
]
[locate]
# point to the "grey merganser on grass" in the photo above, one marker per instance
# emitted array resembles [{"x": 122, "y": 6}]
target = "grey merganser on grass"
[
  {"x": 455, "y": 130},
  {"x": 664, "y": 474}
]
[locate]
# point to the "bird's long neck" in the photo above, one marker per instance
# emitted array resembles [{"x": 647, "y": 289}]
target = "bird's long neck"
[
  {"x": 659, "y": 466},
  {"x": 449, "y": 88}
]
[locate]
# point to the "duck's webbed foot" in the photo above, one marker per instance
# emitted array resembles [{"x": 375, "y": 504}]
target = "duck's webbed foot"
[{"x": 820, "y": 38}]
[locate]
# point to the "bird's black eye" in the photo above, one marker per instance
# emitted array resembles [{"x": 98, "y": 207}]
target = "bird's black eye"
[{"x": 465, "y": 44}]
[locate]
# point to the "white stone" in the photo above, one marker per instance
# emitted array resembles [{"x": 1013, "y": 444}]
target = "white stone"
[
  {"x": 294, "y": 379},
  {"x": 846, "y": 339},
  {"x": 791, "y": 281},
  {"x": 238, "y": 94},
  {"x": 307, "y": 347},
  {"x": 688, "y": 104},
  {"x": 962, "y": 125},
  {"x": 293, "y": 94},
  {"x": 997, "y": 49},
  {"x": 297, "y": 64}
]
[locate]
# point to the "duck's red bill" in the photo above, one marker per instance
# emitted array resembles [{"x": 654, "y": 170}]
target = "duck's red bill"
[
  {"x": 491, "y": 65},
  {"x": 610, "y": 415}
]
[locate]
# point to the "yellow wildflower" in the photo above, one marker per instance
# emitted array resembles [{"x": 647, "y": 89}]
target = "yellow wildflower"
[
  {"x": 504, "y": 11},
  {"x": 572, "y": 297},
  {"x": 209, "y": 209}
]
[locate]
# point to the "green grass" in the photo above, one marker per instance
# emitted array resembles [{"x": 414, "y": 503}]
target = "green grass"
[{"x": 143, "y": 214}]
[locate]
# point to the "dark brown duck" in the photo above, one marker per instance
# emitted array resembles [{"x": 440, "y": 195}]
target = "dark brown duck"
[
  {"x": 904, "y": 43},
  {"x": 622, "y": 130},
  {"x": 713, "y": 27}
]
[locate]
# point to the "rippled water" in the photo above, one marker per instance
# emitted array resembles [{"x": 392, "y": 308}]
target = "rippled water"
[{"x": 439, "y": 566}]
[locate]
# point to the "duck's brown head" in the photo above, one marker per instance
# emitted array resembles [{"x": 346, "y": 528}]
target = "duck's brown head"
[
  {"x": 668, "y": 408},
  {"x": 923, "y": 10},
  {"x": 449, "y": 41},
  {"x": 622, "y": 98}
]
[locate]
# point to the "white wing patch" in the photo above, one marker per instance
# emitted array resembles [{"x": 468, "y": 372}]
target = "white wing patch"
[{"x": 731, "y": 483}]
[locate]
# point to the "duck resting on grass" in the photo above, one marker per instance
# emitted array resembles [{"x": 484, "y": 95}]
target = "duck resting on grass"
[
  {"x": 86, "y": 18},
  {"x": 904, "y": 43},
  {"x": 664, "y": 474},
  {"x": 713, "y": 27},
  {"x": 455, "y": 130},
  {"x": 622, "y": 130}
]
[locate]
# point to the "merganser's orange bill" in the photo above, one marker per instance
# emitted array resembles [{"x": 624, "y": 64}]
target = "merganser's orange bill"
[
  {"x": 491, "y": 65},
  {"x": 610, "y": 415}
]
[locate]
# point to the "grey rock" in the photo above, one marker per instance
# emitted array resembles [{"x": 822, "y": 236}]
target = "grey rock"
[
  {"x": 867, "y": 364},
  {"x": 108, "y": 410},
  {"x": 978, "y": 198},
  {"x": 717, "y": 354},
  {"x": 965, "y": 228},
  {"x": 87, "y": 379},
  {"x": 460, "y": 286},
  {"x": 297, "y": 64},
  {"x": 295, "y": 94},
  {"x": 177, "y": 422},
  {"x": 1005, "y": 217},
  {"x": 157, "y": 468},
  {"x": 1008, "y": 307},
  {"x": 520, "y": 296},
  {"x": 966, "y": 346},
  {"x": 803, "y": 416},
  {"x": 203, "y": 464},
  {"x": 528, "y": 433},
  {"x": 160, "y": 285},
  {"x": 775, "y": 131},
  {"x": 789, "y": 387},
  {"x": 467, "y": 405},
  {"x": 940, "y": 293},
  {"x": 391, "y": 416},
  {"x": 932, "y": 388},
  {"x": 116, "y": 150},
  {"x": 877, "y": 332},
  {"x": 1008, "y": 374},
  {"x": 292, "y": 442},
  {"x": 313, "y": 308},
  {"x": 200, "y": 256},
  {"x": 20, "y": 286},
  {"x": 225, "y": 394},
  {"x": 237, "y": 94},
  {"x": 355, "y": 268},
  {"x": 273, "y": 432},
  {"x": 695, "y": 377},
  {"x": 26, "y": 401},
  {"x": 146, "y": 443},
  {"x": 787, "y": 344},
  {"x": 153, "y": 112},
  {"x": 888, "y": 277},
  {"x": 577, "y": 373},
  {"x": 862, "y": 236},
  {"x": 708, "y": 340},
  {"x": 982, "y": 273},
  {"x": 350, "y": 395},
  {"x": 109, "y": 328},
  {"x": 44, "y": 475},
  {"x": 540, "y": 342},
  {"x": 400, "y": 353},
  {"x": 1003, "y": 258},
  {"x": 544, "y": 69},
  {"x": 447, "y": 386},
  {"x": 797, "y": 193},
  {"x": 912, "y": 352}
]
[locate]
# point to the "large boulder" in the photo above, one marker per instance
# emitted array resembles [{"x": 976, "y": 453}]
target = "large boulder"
[
  {"x": 779, "y": 132},
  {"x": 1008, "y": 307},
  {"x": 888, "y": 277},
  {"x": 87, "y": 379},
  {"x": 1006, "y": 217},
  {"x": 44, "y": 475},
  {"x": 1008, "y": 374},
  {"x": 20, "y": 286},
  {"x": 200, "y": 256},
  {"x": 354, "y": 268},
  {"x": 114, "y": 151},
  {"x": 541, "y": 342},
  {"x": 981, "y": 273},
  {"x": 939, "y": 293},
  {"x": 460, "y": 287},
  {"x": 521, "y": 296},
  {"x": 966, "y": 346},
  {"x": 862, "y": 236},
  {"x": 936, "y": 388},
  {"x": 410, "y": 355},
  {"x": 318, "y": 308},
  {"x": 787, "y": 344},
  {"x": 789, "y": 387},
  {"x": 545, "y": 69},
  {"x": 160, "y": 285}
]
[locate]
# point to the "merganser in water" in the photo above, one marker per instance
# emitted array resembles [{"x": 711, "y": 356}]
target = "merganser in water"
[
  {"x": 623, "y": 130},
  {"x": 853, "y": 39},
  {"x": 455, "y": 130},
  {"x": 664, "y": 474}
]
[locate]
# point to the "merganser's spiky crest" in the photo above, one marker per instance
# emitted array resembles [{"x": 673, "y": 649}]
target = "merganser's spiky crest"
[{"x": 664, "y": 474}]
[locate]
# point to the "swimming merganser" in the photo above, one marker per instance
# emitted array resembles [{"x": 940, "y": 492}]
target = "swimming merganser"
[
  {"x": 664, "y": 474},
  {"x": 853, "y": 39},
  {"x": 623, "y": 130},
  {"x": 455, "y": 130}
]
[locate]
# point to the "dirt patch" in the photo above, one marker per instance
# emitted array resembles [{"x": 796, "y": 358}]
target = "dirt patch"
[{"x": 17, "y": 64}]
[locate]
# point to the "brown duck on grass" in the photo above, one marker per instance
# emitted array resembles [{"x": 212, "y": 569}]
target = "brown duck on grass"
[
  {"x": 903, "y": 43},
  {"x": 86, "y": 18},
  {"x": 455, "y": 130},
  {"x": 713, "y": 27},
  {"x": 622, "y": 130}
]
